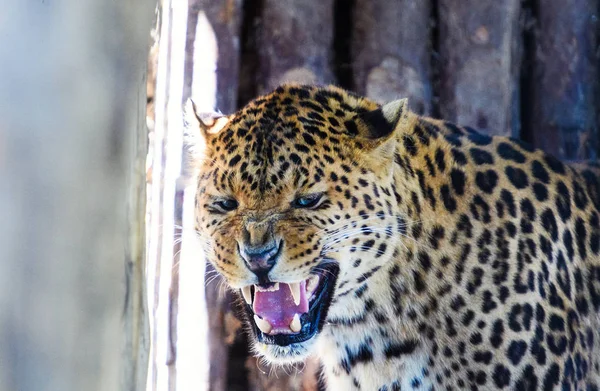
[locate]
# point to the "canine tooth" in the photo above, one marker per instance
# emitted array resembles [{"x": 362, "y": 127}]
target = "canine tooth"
[
  {"x": 295, "y": 289},
  {"x": 263, "y": 325},
  {"x": 247, "y": 293},
  {"x": 295, "y": 325}
]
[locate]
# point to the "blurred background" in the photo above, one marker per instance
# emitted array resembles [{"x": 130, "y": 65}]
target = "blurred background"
[
  {"x": 523, "y": 68},
  {"x": 527, "y": 69}
]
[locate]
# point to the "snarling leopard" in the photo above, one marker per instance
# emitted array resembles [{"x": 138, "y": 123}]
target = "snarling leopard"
[{"x": 404, "y": 252}]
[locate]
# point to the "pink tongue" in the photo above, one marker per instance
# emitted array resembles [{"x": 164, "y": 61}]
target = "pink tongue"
[{"x": 278, "y": 308}]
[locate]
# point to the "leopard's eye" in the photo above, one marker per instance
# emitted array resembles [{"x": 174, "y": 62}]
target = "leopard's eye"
[
  {"x": 226, "y": 205},
  {"x": 307, "y": 201}
]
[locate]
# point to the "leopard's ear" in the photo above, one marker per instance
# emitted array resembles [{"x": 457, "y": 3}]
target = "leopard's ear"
[
  {"x": 198, "y": 129},
  {"x": 381, "y": 122},
  {"x": 208, "y": 123},
  {"x": 379, "y": 126}
]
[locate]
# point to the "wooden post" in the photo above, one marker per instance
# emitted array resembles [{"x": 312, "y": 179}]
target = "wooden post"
[
  {"x": 294, "y": 42},
  {"x": 225, "y": 17},
  {"x": 179, "y": 353},
  {"x": 136, "y": 316},
  {"x": 479, "y": 59},
  {"x": 391, "y": 56},
  {"x": 72, "y": 132},
  {"x": 566, "y": 79}
]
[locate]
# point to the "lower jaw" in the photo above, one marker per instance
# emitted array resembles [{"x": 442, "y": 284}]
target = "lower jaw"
[{"x": 280, "y": 355}]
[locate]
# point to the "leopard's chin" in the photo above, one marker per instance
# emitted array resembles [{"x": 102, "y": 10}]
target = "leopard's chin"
[{"x": 282, "y": 355}]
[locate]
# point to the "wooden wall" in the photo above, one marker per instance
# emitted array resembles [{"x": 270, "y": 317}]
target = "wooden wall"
[
  {"x": 522, "y": 68},
  {"x": 73, "y": 144}
]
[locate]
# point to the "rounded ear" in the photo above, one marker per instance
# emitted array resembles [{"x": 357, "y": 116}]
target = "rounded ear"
[
  {"x": 379, "y": 125},
  {"x": 381, "y": 122},
  {"x": 208, "y": 123},
  {"x": 198, "y": 128}
]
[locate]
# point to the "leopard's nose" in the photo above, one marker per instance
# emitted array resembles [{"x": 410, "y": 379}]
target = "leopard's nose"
[{"x": 261, "y": 259}]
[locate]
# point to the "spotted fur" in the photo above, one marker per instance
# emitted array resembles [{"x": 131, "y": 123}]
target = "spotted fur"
[{"x": 466, "y": 261}]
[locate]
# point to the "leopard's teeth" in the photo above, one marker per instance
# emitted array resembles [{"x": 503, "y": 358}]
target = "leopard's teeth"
[
  {"x": 263, "y": 325},
  {"x": 247, "y": 293},
  {"x": 295, "y": 289},
  {"x": 272, "y": 288},
  {"x": 295, "y": 325}
]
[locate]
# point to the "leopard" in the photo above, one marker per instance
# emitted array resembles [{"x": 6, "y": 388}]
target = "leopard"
[{"x": 402, "y": 251}]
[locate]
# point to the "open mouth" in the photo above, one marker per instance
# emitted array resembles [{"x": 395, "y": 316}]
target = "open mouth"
[{"x": 283, "y": 314}]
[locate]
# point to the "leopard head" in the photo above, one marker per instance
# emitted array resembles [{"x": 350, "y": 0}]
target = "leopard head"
[{"x": 295, "y": 202}]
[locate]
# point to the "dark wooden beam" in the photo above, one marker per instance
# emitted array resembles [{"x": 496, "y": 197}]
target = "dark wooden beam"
[
  {"x": 295, "y": 38},
  {"x": 565, "y": 85},
  {"x": 225, "y": 18},
  {"x": 391, "y": 51},
  {"x": 479, "y": 45}
]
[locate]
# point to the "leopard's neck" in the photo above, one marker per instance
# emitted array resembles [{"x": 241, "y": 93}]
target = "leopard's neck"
[{"x": 373, "y": 337}]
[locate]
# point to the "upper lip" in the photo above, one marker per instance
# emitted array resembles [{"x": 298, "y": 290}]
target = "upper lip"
[
  {"x": 266, "y": 252},
  {"x": 260, "y": 265}
]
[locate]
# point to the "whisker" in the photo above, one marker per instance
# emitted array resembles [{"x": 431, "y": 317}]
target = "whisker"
[
  {"x": 363, "y": 230},
  {"x": 211, "y": 280},
  {"x": 258, "y": 362},
  {"x": 356, "y": 221},
  {"x": 356, "y": 249}
]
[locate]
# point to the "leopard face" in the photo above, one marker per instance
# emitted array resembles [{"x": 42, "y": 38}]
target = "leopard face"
[{"x": 291, "y": 189}]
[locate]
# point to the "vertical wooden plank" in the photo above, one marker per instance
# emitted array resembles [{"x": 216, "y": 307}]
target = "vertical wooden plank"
[
  {"x": 72, "y": 103},
  {"x": 391, "y": 51},
  {"x": 479, "y": 58},
  {"x": 565, "y": 86},
  {"x": 225, "y": 17},
  {"x": 218, "y": 303},
  {"x": 136, "y": 316},
  {"x": 183, "y": 366},
  {"x": 295, "y": 38}
]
